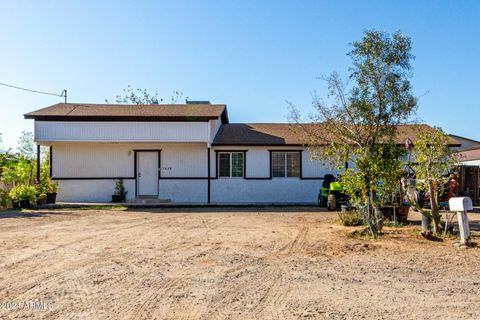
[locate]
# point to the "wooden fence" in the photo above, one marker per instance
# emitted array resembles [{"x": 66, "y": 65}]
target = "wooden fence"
[{"x": 468, "y": 180}]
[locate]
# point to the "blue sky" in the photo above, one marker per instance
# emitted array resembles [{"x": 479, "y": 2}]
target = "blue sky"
[{"x": 251, "y": 55}]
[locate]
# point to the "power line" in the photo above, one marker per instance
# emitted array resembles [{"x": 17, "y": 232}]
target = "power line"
[{"x": 61, "y": 95}]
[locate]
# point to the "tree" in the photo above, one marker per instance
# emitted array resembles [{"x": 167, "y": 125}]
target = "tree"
[
  {"x": 26, "y": 145},
  {"x": 142, "y": 96},
  {"x": 433, "y": 163},
  {"x": 365, "y": 115}
]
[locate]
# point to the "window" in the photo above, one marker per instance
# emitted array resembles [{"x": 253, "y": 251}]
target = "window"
[
  {"x": 230, "y": 164},
  {"x": 285, "y": 164}
]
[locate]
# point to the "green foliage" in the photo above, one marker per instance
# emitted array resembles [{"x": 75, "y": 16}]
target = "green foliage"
[
  {"x": 360, "y": 124},
  {"x": 23, "y": 192},
  {"x": 48, "y": 186},
  {"x": 390, "y": 173},
  {"x": 19, "y": 171},
  {"x": 120, "y": 188},
  {"x": 26, "y": 145},
  {"x": 143, "y": 96},
  {"x": 350, "y": 218},
  {"x": 433, "y": 162},
  {"x": 4, "y": 198},
  {"x": 353, "y": 185}
]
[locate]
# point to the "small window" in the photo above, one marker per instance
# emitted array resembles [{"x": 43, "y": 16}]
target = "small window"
[
  {"x": 230, "y": 164},
  {"x": 285, "y": 164}
]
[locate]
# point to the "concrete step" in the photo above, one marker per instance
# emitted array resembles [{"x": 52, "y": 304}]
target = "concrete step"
[{"x": 151, "y": 200}]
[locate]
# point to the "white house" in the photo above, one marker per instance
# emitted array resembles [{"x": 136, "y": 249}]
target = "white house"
[{"x": 185, "y": 153}]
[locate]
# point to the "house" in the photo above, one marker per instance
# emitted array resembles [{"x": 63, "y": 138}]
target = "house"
[
  {"x": 180, "y": 153},
  {"x": 466, "y": 143}
]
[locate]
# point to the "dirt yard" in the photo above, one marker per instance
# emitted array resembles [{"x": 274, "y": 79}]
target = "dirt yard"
[{"x": 229, "y": 264}]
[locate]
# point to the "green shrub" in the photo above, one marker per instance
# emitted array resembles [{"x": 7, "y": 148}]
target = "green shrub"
[
  {"x": 4, "y": 198},
  {"x": 23, "y": 192},
  {"x": 120, "y": 188},
  {"x": 350, "y": 218}
]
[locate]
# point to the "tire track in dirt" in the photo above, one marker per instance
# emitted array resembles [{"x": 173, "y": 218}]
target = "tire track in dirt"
[
  {"x": 298, "y": 243},
  {"x": 42, "y": 279},
  {"x": 271, "y": 301},
  {"x": 76, "y": 241},
  {"x": 163, "y": 293}
]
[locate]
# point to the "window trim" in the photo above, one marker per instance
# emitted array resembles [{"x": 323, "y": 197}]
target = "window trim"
[
  {"x": 300, "y": 174},
  {"x": 217, "y": 164}
]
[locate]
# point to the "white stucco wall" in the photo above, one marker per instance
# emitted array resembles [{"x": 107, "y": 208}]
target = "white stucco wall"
[
  {"x": 277, "y": 190},
  {"x": 91, "y": 190},
  {"x": 184, "y": 190}
]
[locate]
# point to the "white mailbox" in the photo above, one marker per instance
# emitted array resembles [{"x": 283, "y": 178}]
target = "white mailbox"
[{"x": 460, "y": 204}]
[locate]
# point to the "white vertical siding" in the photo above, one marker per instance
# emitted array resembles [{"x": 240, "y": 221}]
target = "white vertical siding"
[
  {"x": 184, "y": 160},
  {"x": 258, "y": 162},
  {"x": 214, "y": 127},
  {"x": 317, "y": 168},
  {"x": 99, "y": 131},
  {"x": 72, "y": 160},
  {"x": 83, "y": 159}
]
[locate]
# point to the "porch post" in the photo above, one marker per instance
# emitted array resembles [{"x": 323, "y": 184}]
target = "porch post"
[
  {"x": 208, "y": 161},
  {"x": 38, "y": 163},
  {"x": 51, "y": 161}
]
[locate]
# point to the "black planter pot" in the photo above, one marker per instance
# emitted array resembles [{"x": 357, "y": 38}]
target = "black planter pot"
[
  {"x": 401, "y": 212},
  {"x": 25, "y": 204},
  {"x": 16, "y": 205},
  {"x": 41, "y": 202},
  {"x": 118, "y": 198},
  {"x": 51, "y": 198}
]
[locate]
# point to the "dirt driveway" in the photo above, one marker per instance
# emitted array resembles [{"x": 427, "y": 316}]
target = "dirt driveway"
[{"x": 249, "y": 264}]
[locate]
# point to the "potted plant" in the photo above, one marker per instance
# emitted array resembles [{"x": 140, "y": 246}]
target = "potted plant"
[
  {"x": 41, "y": 199},
  {"x": 120, "y": 191},
  {"x": 23, "y": 195},
  {"x": 51, "y": 188}
]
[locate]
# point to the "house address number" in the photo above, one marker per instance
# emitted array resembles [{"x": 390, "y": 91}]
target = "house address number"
[{"x": 166, "y": 168}]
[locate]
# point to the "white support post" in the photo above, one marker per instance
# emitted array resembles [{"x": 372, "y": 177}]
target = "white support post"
[
  {"x": 465, "y": 239},
  {"x": 461, "y": 205}
]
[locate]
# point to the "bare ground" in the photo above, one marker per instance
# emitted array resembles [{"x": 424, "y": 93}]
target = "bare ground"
[{"x": 229, "y": 264}]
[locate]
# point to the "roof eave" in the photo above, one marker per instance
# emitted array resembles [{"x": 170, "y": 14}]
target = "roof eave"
[{"x": 121, "y": 118}]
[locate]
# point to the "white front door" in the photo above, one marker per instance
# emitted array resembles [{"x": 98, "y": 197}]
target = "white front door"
[{"x": 147, "y": 173}]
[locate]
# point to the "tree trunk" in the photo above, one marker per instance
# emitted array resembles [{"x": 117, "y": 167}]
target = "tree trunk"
[{"x": 434, "y": 206}]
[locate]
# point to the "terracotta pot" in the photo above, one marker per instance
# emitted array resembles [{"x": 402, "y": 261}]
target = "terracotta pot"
[{"x": 41, "y": 202}]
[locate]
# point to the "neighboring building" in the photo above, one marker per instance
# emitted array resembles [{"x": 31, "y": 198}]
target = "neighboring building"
[
  {"x": 179, "y": 153},
  {"x": 470, "y": 156},
  {"x": 466, "y": 143}
]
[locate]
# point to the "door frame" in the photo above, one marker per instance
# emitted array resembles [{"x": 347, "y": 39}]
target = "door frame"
[{"x": 135, "y": 164}]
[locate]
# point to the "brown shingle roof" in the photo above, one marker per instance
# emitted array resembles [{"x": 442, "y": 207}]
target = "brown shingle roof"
[
  {"x": 124, "y": 112},
  {"x": 273, "y": 134}
]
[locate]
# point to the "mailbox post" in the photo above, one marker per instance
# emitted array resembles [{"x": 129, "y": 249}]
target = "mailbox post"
[{"x": 461, "y": 205}]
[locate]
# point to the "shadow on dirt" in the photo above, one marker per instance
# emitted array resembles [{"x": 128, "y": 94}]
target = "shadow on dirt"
[{"x": 20, "y": 214}]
